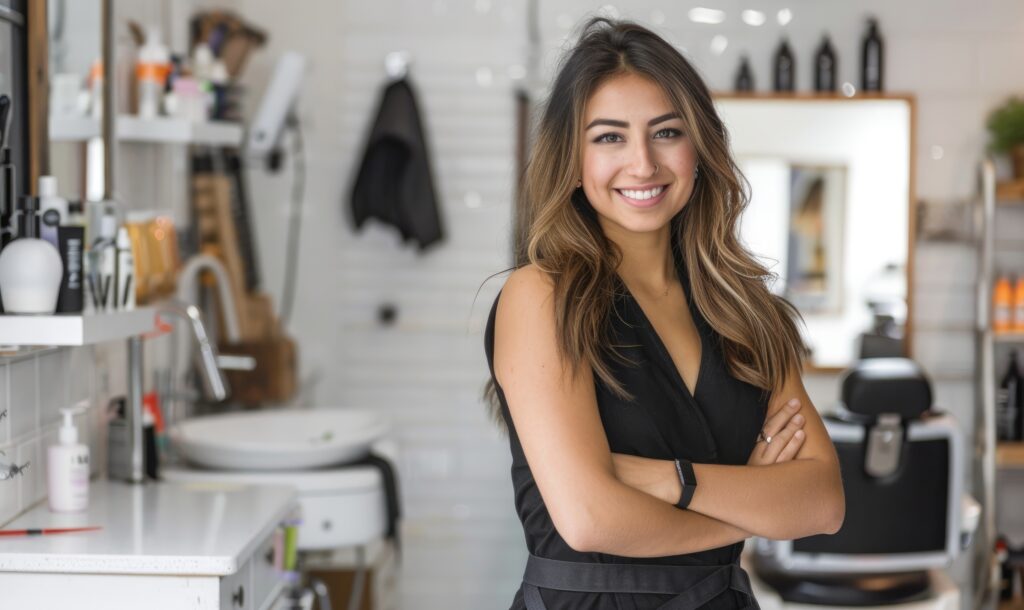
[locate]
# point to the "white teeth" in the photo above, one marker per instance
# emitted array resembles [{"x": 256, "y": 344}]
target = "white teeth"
[{"x": 642, "y": 195}]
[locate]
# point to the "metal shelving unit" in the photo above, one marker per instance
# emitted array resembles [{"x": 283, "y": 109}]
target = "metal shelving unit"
[{"x": 990, "y": 455}]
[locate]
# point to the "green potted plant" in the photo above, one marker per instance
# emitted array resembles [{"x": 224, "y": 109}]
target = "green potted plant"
[{"x": 1006, "y": 124}]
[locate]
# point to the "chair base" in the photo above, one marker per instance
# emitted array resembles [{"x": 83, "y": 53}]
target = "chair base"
[{"x": 848, "y": 589}]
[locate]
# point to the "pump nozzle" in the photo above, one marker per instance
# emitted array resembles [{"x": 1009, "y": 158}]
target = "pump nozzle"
[{"x": 68, "y": 434}]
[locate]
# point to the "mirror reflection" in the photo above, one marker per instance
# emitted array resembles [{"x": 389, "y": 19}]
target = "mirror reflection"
[{"x": 829, "y": 213}]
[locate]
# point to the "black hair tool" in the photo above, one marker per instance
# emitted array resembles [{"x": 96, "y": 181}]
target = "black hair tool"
[
  {"x": 5, "y": 113},
  {"x": 8, "y": 192}
]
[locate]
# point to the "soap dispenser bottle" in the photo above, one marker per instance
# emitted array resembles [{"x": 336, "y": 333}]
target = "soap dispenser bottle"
[
  {"x": 67, "y": 468},
  {"x": 30, "y": 268}
]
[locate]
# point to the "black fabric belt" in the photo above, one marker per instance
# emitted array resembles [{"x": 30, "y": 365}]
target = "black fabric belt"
[{"x": 693, "y": 586}]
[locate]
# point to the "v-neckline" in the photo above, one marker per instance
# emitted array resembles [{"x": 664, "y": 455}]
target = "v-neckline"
[{"x": 666, "y": 355}]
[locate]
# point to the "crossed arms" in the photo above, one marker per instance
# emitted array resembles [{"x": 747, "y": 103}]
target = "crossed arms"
[{"x": 623, "y": 505}]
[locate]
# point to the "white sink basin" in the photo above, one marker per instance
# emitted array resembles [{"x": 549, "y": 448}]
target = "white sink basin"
[{"x": 285, "y": 439}]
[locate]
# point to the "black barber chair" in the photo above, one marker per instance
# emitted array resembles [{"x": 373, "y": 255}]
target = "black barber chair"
[{"x": 901, "y": 464}]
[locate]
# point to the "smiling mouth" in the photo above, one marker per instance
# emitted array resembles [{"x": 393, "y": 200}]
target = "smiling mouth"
[{"x": 642, "y": 195}]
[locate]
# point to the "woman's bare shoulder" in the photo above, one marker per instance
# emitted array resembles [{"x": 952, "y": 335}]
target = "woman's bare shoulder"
[
  {"x": 527, "y": 291},
  {"x": 525, "y": 320}
]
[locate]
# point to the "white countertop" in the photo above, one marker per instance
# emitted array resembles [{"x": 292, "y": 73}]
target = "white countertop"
[{"x": 156, "y": 528}]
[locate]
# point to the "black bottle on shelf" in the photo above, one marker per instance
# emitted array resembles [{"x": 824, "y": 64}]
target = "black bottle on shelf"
[
  {"x": 1008, "y": 407},
  {"x": 871, "y": 59},
  {"x": 783, "y": 68},
  {"x": 744, "y": 77},
  {"x": 825, "y": 67}
]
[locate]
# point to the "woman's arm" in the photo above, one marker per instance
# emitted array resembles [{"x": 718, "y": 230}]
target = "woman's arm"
[
  {"x": 556, "y": 419},
  {"x": 803, "y": 497},
  {"x": 660, "y": 479},
  {"x": 803, "y": 487}
]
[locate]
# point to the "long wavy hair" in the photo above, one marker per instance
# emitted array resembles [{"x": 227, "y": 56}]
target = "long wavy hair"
[{"x": 557, "y": 229}]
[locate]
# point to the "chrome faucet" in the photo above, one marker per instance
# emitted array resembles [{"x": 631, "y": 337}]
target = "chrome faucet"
[{"x": 214, "y": 383}]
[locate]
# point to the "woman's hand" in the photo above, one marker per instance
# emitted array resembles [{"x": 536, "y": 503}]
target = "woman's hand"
[
  {"x": 785, "y": 428},
  {"x": 659, "y": 478}
]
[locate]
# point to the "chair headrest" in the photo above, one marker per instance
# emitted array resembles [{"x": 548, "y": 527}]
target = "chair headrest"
[{"x": 887, "y": 385}]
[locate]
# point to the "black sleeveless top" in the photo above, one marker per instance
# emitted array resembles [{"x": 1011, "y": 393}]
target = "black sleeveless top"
[{"x": 718, "y": 424}]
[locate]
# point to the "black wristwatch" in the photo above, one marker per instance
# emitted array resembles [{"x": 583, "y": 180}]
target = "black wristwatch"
[{"x": 688, "y": 481}]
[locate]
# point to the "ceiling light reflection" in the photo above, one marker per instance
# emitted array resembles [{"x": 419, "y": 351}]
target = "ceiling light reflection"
[
  {"x": 706, "y": 15},
  {"x": 752, "y": 17}
]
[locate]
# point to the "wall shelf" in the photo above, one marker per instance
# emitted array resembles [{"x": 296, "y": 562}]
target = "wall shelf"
[
  {"x": 161, "y": 130},
  {"x": 1010, "y": 454},
  {"x": 1010, "y": 192},
  {"x": 68, "y": 329}
]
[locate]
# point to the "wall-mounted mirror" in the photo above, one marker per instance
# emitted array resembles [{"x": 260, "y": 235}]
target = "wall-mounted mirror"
[{"x": 831, "y": 186}]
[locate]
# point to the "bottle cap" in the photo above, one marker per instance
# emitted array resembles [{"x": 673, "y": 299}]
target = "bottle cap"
[
  {"x": 47, "y": 186},
  {"x": 108, "y": 226}
]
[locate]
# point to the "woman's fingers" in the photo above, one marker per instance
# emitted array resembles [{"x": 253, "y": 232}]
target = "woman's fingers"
[
  {"x": 781, "y": 439},
  {"x": 792, "y": 447},
  {"x": 776, "y": 423},
  {"x": 765, "y": 453}
]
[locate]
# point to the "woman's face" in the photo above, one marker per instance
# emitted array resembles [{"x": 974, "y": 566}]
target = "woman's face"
[{"x": 638, "y": 163}]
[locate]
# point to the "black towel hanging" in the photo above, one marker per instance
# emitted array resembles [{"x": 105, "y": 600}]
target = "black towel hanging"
[{"x": 394, "y": 183}]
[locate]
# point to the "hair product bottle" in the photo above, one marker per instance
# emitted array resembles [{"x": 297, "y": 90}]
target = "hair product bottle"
[
  {"x": 1018, "y": 305},
  {"x": 784, "y": 71},
  {"x": 871, "y": 59},
  {"x": 1002, "y": 305},
  {"x": 1008, "y": 398},
  {"x": 825, "y": 67},
  {"x": 744, "y": 77}
]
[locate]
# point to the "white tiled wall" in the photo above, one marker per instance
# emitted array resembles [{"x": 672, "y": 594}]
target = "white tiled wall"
[{"x": 33, "y": 387}]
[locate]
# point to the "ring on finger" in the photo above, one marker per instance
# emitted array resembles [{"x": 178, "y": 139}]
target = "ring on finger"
[{"x": 767, "y": 438}]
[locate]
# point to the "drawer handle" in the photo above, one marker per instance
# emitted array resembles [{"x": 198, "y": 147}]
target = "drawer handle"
[
  {"x": 238, "y": 598},
  {"x": 269, "y": 555}
]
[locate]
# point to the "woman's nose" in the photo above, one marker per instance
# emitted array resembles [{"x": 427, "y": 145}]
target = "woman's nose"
[{"x": 642, "y": 163}]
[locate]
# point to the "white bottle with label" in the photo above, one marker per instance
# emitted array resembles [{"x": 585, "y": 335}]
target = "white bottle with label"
[
  {"x": 151, "y": 71},
  {"x": 67, "y": 468}
]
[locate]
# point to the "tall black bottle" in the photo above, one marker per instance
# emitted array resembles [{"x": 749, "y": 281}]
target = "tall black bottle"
[
  {"x": 1008, "y": 402},
  {"x": 783, "y": 68},
  {"x": 872, "y": 59},
  {"x": 744, "y": 76},
  {"x": 825, "y": 67}
]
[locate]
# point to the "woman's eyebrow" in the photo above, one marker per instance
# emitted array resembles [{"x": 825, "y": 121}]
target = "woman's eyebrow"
[{"x": 624, "y": 124}]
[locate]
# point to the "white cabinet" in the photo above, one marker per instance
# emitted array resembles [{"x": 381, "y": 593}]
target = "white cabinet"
[{"x": 163, "y": 546}]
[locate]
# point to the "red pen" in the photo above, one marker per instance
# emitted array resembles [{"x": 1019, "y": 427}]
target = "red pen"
[{"x": 48, "y": 530}]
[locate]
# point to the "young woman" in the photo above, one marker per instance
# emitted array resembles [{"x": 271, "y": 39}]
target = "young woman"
[{"x": 649, "y": 380}]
